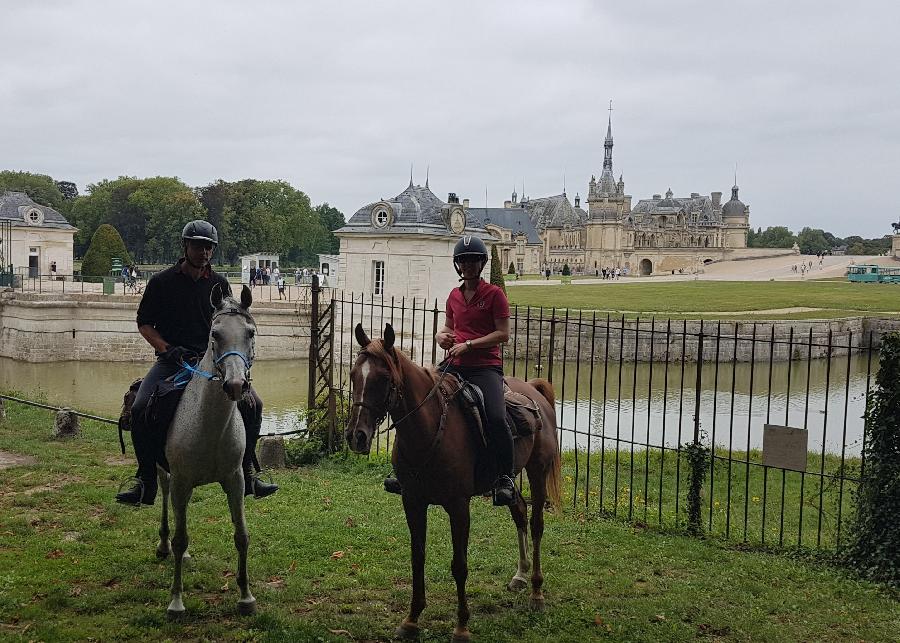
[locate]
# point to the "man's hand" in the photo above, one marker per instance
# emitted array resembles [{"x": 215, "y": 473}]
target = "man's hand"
[
  {"x": 446, "y": 340},
  {"x": 177, "y": 355}
]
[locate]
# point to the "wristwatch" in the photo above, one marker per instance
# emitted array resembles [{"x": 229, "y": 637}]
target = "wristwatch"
[{"x": 469, "y": 344}]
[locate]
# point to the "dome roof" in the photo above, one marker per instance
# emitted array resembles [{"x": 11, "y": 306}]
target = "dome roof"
[{"x": 735, "y": 207}]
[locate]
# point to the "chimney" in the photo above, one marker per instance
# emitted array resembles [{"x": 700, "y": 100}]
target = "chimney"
[
  {"x": 466, "y": 203},
  {"x": 452, "y": 198},
  {"x": 695, "y": 195},
  {"x": 716, "y": 199},
  {"x": 657, "y": 196},
  {"x": 507, "y": 204}
]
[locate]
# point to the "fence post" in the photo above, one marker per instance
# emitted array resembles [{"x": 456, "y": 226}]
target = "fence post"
[
  {"x": 697, "y": 454},
  {"x": 313, "y": 342}
]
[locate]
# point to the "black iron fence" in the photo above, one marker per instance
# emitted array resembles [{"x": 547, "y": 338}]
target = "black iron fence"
[{"x": 633, "y": 393}]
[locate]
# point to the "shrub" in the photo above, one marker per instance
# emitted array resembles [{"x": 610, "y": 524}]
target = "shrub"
[
  {"x": 875, "y": 539},
  {"x": 566, "y": 271},
  {"x": 497, "y": 270},
  {"x": 105, "y": 244},
  {"x": 512, "y": 269}
]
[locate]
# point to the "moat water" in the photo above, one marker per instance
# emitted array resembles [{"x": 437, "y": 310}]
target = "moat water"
[{"x": 640, "y": 404}]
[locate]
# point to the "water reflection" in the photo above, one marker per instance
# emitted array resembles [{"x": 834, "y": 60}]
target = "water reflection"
[
  {"x": 632, "y": 402},
  {"x": 98, "y": 387}
]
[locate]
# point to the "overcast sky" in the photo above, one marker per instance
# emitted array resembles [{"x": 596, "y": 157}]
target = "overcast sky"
[{"x": 339, "y": 98}]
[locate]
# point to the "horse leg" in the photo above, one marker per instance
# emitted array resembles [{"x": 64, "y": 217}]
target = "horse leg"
[
  {"x": 181, "y": 496},
  {"x": 519, "y": 512},
  {"x": 538, "y": 482},
  {"x": 234, "y": 487},
  {"x": 459, "y": 528},
  {"x": 164, "y": 548},
  {"x": 417, "y": 521}
]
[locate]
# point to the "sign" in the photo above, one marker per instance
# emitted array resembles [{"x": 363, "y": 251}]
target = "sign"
[{"x": 785, "y": 447}]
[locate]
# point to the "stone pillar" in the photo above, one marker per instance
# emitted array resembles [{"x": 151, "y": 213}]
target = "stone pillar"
[
  {"x": 271, "y": 452},
  {"x": 895, "y": 246},
  {"x": 66, "y": 424}
]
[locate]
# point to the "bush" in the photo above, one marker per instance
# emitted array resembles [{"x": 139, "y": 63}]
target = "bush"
[
  {"x": 875, "y": 539},
  {"x": 566, "y": 271},
  {"x": 512, "y": 269},
  {"x": 496, "y": 270},
  {"x": 105, "y": 244}
]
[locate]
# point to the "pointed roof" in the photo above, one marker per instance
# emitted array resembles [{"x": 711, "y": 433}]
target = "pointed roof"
[{"x": 15, "y": 205}]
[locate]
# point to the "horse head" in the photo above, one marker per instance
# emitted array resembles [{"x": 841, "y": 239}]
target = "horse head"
[
  {"x": 375, "y": 384},
  {"x": 231, "y": 340}
]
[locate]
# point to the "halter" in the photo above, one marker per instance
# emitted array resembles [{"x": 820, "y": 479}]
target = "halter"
[{"x": 217, "y": 378}]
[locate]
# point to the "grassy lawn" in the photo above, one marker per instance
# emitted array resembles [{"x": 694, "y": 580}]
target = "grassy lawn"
[
  {"x": 711, "y": 297},
  {"x": 329, "y": 561}
]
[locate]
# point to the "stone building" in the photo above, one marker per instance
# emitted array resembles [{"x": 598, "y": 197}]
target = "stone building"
[
  {"x": 657, "y": 235},
  {"x": 40, "y": 241},
  {"x": 402, "y": 247}
]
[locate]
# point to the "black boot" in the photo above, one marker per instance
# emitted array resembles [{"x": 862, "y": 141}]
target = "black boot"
[
  {"x": 257, "y": 487},
  {"x": 504, "y": 491},
  {"x": 392, "y": 485},
  {"x": 141, "y": 492}
]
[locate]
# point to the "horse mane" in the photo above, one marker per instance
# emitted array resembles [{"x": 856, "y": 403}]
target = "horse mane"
[{"x": 395, "y": 365}]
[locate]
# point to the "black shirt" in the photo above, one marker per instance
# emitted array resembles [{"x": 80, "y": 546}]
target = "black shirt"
[{"x": 179, "y": 308}]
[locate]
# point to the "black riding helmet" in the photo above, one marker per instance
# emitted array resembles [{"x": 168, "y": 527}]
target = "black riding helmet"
[
  {"x": 468, "y": 246},
  {"x": 200, "y": 230}
]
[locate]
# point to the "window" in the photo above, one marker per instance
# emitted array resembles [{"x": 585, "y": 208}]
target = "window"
[
  {"x": 378, "y": 277},
  {"x": 34, "y": 216}
]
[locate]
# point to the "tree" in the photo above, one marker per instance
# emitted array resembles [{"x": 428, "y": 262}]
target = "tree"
[
  {"x": 773, "y": 237},
  {"x": 815, "y": 241},
  {"x": 105, "y": 244},
  {"x": 566, "y": 271},
  {"x": 512, "y": 269},
  {"x": 497, "y": 270},
  {"x": 332, "y": 219},
  {"x": 68, "y": 189},
  {"x": 40, "y": 188}
]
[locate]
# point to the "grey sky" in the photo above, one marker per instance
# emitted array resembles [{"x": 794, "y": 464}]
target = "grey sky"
[{"x": 340, "y": 97}]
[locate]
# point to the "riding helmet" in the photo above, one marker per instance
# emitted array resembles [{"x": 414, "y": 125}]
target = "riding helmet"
[
  {"x": 200, "y": 230},
  {"x": 469, "y": 245}
]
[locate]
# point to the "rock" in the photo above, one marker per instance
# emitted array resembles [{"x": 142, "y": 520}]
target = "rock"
[
  {"x": 66, "y": 423},
  {"x": 271, "y": 452}
]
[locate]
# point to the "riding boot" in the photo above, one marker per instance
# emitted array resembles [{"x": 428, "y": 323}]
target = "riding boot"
[
  {"x": 504, "y": 487},
  {"x": 142, "y": 491},
  {"x": 256, "y": 487}
]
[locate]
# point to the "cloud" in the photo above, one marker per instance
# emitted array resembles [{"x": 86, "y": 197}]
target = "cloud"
[{"x": 340, "y": 97}]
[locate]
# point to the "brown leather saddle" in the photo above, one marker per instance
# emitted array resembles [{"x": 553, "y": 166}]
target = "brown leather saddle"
[{"x": 523, "y": 415}]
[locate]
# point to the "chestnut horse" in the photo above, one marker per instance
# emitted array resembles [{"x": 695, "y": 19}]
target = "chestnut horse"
[{"x": 435, "y": 457}]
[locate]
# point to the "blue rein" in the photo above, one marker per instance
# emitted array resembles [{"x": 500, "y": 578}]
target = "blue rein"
[{"x": 209, "y": 376}]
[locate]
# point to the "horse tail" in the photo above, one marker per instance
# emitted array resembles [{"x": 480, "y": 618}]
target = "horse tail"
[{"x": 545, "y": 388}]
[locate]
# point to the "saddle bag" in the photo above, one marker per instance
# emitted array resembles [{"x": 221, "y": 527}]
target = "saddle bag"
[
  {"x": 523, "y": 413},
  {"x": 125, "y": 415}
]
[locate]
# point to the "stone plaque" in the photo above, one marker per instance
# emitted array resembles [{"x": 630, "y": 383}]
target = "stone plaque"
[{"x": 785, "y": 447}]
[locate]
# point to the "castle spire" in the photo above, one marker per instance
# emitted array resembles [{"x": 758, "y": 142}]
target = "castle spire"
[
  {"x": 427, "y": 171},
  {"x": 410, "y": 174},
  {"x": 608, "y": 143}
]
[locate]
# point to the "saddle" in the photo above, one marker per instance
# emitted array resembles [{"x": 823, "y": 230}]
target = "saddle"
[
  {"x": 161, "y": 406},
  {"x": 523, "y": 416}
]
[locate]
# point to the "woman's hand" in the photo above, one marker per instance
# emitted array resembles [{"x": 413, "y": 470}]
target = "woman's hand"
[
  {"x": 458, "y": 349},
  {"x": 446, "y": 340}
]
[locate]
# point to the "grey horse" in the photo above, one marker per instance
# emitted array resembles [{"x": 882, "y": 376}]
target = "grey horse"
[{"x": 206, "y": 440}]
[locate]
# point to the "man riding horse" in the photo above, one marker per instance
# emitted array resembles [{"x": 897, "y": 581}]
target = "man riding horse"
[
  {"x": 174, "y": 317},
  {"x": 477, "y": 322}
]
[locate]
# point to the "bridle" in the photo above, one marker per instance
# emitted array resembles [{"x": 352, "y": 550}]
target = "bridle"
[{"x": 217, "y": 361}]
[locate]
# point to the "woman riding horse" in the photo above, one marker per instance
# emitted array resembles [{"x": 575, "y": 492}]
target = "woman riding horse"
[{"x": 477, "y": 323}]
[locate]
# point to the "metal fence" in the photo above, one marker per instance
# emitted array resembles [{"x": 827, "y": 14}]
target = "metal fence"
[{"x": 633, "y": 393}]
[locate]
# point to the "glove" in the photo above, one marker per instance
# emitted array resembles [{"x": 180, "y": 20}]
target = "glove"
[{"x": 177, "y": 355}]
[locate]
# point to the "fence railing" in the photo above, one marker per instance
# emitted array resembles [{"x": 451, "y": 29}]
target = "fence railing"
[{"x": 631, "y": 394}]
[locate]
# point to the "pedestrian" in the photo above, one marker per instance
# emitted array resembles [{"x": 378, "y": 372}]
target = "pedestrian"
[{"x": 280, "y": 282}]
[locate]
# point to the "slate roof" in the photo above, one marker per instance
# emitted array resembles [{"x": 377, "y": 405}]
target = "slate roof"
[
  {"x": 515, "y": 219},
  {"x": 554, "y": 212},
  {"x": 13, "y": 206},
  {"x": 701, "y": 206},
  {"x": 417, "y": 210}
]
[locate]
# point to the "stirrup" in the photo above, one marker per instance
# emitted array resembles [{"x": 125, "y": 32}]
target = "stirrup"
[
  {"x": 250, "y": 479},
  {"x": 127, "y": 485},
  {"x": 501, "y": 486}
]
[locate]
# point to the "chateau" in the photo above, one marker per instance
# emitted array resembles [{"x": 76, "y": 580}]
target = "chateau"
[{"x": 655, "y": 236}]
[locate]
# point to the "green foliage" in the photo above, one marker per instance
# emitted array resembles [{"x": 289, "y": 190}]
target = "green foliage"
[
  {"x": 772, "y": 237},
  {"x": 698, "y": 456},
  {"x": 815, "y": 241},
  {"x": 512, "y": 269},
  {"x": 874, "y": 548},
  {"x": 302, "y": 451},
  {"x": 39, "y": 187},
  {"x": 68, "y": 189},
  {"x": 566, "y": 271},
  {"x": 332, "y": 219},
  {"x": 105, "y": 244},
  {"x": 497, "y": 270}
]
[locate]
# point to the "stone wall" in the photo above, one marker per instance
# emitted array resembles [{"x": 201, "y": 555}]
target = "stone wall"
[{"x": 84, "y": 327}]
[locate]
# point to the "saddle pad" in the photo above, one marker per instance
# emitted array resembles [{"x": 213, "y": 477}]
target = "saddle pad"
[{"x": 522, "y": 413}]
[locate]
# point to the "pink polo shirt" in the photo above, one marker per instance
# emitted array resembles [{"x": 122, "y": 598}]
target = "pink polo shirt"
[{"x": 476, "y": 319}]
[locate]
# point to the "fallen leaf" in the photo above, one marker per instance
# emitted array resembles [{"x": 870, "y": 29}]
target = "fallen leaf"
[
  {"x": 342, "y": 632},
  {"x": 56, "y": 553},
  {"x": 349, "y": 522},
  {"x": 659, "y": 618},
  {"x": 337, "y": 555},
  {"x": 293, "y": 566}
]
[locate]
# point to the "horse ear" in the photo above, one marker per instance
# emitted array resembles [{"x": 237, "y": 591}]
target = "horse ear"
[
  {"x": 215, "y": 297},
  {"x": 246, "y": 298},
  {"x": 361, "y": 336},
  {"x": 388, "y": 337}
]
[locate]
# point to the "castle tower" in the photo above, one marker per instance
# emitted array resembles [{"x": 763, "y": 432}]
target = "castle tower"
[{"x": 736, "y": 217}]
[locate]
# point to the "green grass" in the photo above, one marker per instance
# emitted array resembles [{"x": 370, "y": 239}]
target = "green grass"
[
  {"x": 837, "y": 299},
  {"x": 76, "y": 566}
]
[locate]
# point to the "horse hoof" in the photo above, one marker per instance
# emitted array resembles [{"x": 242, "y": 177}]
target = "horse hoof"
[
  {"x": 162, "y": 554},
  {"x": 175, "y": 615},
  {"x": 186, "y": 558},
  {"x": 247, "y": 608},
  {"x": 407, "y": 631},
  {"x": 517, "y": 584},
  {"x": 537, "y": 604},
  {"x": 461, "y": 636}
]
